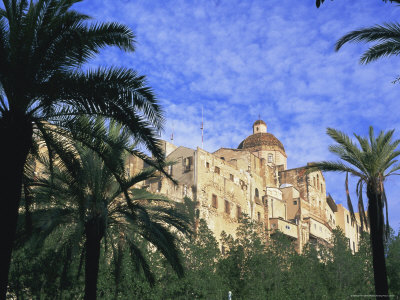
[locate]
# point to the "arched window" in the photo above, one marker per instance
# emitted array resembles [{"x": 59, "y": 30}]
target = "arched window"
[
  {"x": 256, "y": 193},
  {"x": 317, "y": 180},
  {"x": 313, "y": 181}
]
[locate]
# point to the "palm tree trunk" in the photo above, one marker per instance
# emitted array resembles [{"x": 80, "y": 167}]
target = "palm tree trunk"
[
  {"x": 94, "y": 234},
  {"x": 16, "y": 142},
  {"x": 375, "y": 211}
]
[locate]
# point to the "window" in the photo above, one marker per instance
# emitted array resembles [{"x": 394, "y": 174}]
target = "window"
[
  {"x": 227, "y": 207},
  {"x": 238, "y": 212},
  {"x": 354, "y": 246},
  {"x": 317, "y": 180},
  {"x": 184, "y": 190},
  {"x": 259, "y": 216},
  {"x": 217, "y": 170},
  {"x": 256, "y": 193},
  {"x": 223, "y": 250},
  {"x": 294, "y": 202},
  {"x": 231, "y": 177},
  {"x": 243, "y": 185},
  {"x": 347, "y": 219},
  {"x": 322, "y": 188},
  {"x": 187, "y": 162},
  {"x": 314, "y": 181},
  {"x": 159, "y": 186},
  {"x": 270, "y": 158},
  {"x": 223, "y": 158},
  {"x": 315, "y": 226},
  {"x": 207, "y": 165},
  {"x": 214, "y": 201},
  {"x": 169, "y": 170}
]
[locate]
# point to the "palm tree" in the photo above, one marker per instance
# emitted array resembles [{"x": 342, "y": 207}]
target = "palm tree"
[
  {"x": 387, "y": 37},
  {"x": 371, "y": 163},
  {"x": 88, "y": 202},
  {"x": 43, "y": 46}
]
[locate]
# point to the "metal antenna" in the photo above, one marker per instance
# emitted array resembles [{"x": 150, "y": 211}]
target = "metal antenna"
[{"x": 202, "y": 127}]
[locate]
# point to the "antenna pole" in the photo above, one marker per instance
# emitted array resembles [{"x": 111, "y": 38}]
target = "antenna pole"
[{"x": 202, "y": 127}]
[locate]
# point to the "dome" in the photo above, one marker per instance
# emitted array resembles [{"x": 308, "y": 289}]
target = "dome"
[
  {"x": 261, "y": 141},
  {"x": 259, "y": 122}
]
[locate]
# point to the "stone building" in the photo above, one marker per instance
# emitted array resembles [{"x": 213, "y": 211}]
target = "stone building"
[{"x": 254, "y": 180}]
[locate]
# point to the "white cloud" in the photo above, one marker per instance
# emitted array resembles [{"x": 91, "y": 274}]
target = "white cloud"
[{"x": 239, "y": 59}]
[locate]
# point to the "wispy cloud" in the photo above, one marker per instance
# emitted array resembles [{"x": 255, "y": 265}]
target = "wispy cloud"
[{"x": 241, "y": 59}]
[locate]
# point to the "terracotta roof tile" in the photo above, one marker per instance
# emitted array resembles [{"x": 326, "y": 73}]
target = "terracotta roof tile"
[{"x": 258, "y": 140}]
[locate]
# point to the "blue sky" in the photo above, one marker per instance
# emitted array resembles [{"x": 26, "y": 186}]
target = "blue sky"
[{"x": 240, "y": 59}]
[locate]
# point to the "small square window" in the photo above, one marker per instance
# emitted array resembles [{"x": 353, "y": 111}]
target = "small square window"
[{"x": 294, "y": 202}]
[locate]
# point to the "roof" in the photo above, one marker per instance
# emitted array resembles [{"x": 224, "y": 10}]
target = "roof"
[
  {"x": 258, "y": 122},
  {"x": 258, "y": 141}
]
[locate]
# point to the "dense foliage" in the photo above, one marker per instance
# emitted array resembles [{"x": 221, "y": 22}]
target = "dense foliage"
[{"x": 250, "y": 269}]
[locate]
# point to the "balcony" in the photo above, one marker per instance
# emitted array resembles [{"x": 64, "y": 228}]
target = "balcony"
[{"x": 284, "y": 226}]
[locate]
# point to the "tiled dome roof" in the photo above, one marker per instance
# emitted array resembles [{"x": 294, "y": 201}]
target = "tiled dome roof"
[{"x": 258, "y": 141}]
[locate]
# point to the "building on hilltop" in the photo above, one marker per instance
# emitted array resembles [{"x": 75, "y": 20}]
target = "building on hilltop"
[{"x": 254, "y": 180}]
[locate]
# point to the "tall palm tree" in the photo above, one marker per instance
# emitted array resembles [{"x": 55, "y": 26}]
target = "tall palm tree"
[
  {"x": 89, "y": 204},
  {"x": 43, "y": 46},
  {"x": 371, "y": 162}
]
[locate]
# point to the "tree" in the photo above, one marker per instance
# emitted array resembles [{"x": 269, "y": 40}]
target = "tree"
[
  {"x": 43, "y": 46},
  {"x": 393, "y": 261},
  {"x": 371, "y": 163},
  {"x": 91, "y": 207},
  {"x": 385, "y": 36}
]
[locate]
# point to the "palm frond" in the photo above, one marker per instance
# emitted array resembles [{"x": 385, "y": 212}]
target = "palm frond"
[
  {"x": 140, "y": 261},
  {"x": 371, "y": 34}
]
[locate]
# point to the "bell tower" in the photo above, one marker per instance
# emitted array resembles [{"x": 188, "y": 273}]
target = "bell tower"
[{"x": 259, "y": 126}]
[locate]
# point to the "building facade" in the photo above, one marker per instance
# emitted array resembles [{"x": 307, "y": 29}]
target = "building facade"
[{"x": 254, "y": 180}]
